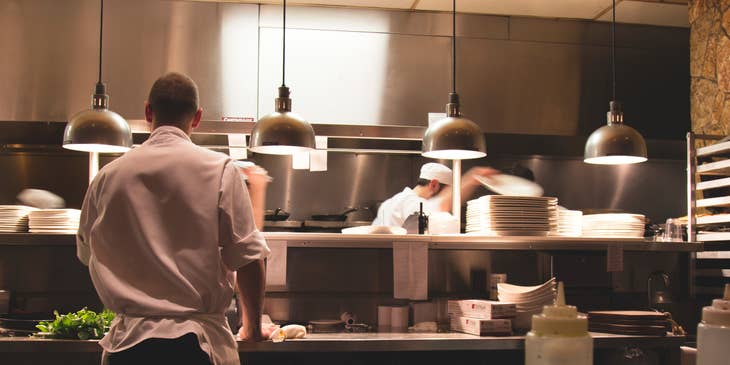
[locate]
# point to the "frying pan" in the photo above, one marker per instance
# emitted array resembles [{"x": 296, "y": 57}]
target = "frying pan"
[
  {"x": 333, "y": 217},
  {"x": 277, "y": 214},
  {"x": 23, "y": 322}
]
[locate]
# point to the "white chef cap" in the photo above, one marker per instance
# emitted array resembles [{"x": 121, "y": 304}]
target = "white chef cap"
[{"x": 436, "y": 171}]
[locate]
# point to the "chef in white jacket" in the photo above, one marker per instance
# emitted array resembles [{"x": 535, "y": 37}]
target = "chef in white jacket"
[{"x": 433, "y": 189}]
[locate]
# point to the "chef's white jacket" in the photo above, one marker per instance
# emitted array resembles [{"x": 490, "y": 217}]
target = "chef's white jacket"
[
  {"x": 394, "y": 211},
  {"x": 162, "y": 229}
]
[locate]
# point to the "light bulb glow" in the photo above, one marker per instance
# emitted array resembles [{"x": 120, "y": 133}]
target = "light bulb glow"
[
  {"x": 95, "y": 147},
  {"x": 454, "y": 154},
  {"x": 279, "y": 149},
  {"x": 614, "y": 160}
]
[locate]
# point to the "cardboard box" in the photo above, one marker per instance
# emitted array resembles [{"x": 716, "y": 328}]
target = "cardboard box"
[
  {"x": 485, "y": 309},
  {"x": 481, "y": 327}
]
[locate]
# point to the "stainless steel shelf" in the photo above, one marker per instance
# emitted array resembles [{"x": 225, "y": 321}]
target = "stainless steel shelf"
[
  {"x": 446, "y": 242},
  {"x": 362, "y": 342}
]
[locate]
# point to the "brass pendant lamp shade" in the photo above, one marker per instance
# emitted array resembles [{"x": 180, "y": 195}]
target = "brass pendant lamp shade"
[
  {"x": 615, "y": 143},
  {"x": 98, "y": 129},
  {"x": 282, "y": 132},
  {"x": 454, "y": 137}
]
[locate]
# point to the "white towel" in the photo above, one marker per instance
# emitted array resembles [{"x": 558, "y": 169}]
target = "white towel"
[
  {"x": 276, "y": 266},
  {"x": 410, "y": 270}
]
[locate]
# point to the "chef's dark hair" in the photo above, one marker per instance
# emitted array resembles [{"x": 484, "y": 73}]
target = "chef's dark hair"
[
  {"x": 173, "y": 99},
  {"x": 425, "y": 182}
]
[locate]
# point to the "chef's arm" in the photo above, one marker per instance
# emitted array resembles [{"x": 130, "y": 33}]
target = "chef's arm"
[
  {"x": 468, "y": 186},
  {"x": 258, "y": 180},
  {"x": 251, "y": 280}
]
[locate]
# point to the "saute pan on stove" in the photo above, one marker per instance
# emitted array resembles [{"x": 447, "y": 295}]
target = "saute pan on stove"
[{"x": 333, "y": 217}]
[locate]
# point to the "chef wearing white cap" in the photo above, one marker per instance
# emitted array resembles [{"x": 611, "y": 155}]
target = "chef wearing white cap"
[{"x": 433, "y": 190}]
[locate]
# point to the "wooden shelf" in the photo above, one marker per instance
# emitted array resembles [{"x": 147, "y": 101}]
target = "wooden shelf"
[
  {"x": 717, "y": 149},
  {"x": 715, "y": 168},
  {"x": 714, "y": 184},
  {"x": 722, "y": 201}
]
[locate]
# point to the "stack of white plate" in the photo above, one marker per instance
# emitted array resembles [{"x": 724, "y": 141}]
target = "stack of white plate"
[
  {"x": 505, "y": 215},
  {"x": 613, "y": 225},
  {"x": 62, "y": 221},
  {"x": 528, "y": 299},
  {"x": 570, "y": 223},
  {"x": 14, "y": 218}
]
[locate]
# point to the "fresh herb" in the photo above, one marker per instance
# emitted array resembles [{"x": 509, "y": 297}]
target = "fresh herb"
[{"x": 84, "y": 324}]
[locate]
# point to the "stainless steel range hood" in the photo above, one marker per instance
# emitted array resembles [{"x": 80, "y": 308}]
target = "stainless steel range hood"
[{"x": 359, "y": 67}]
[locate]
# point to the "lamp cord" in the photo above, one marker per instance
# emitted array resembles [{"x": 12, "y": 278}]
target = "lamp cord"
[
  {"x": 101, "y": 35},
  {"x": 613, "y": 50},
  {"x": 453, "y": 47},
  {"x": 283, "y": 47}
]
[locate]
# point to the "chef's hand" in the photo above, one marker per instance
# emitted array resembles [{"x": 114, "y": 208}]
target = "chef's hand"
[
  {"x": 266, "y": 330},
  {"x": 468, "y": 179}
]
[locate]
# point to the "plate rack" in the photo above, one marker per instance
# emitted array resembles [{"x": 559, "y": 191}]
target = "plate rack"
[{"x": 708, "y": 188}]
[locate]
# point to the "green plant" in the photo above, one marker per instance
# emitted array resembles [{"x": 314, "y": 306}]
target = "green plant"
[{"x": 84, "y": 324}]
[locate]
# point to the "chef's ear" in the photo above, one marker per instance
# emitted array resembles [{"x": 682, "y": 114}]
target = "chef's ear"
[
  {"x": 434, "y": 186},
  {"x": 196, "y": 118},
  {"x": 148, "y": 115}
]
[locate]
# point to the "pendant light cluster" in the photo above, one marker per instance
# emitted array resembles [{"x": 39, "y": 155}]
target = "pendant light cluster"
[
  {"x": 98, "y": 129},
  {"x": 615, "y": 143},
  {"x": 282, "y": 132},
  {"x": 454, "y": 137}
]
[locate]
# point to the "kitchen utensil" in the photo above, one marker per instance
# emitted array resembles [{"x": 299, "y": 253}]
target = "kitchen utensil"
[
  {"x": 333, "y": 217},
  {"x": 23, "y": 323},
  {"x": 510, "y": 185},
  {"x": 646, "y": 323},
  {"x": 277, "y": 214},
  {"x": 326, "y": 325}
]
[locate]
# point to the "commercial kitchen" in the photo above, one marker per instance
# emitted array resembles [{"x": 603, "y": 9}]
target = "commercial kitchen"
[{"x": 535, "y": 87}]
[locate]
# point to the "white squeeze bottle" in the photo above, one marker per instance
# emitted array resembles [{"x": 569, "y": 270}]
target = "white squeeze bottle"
[
  {"x": 713, "y": 333},
  {"x": 559, "y": 336}
]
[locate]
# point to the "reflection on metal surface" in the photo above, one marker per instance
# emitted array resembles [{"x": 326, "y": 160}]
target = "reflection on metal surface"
[
  {"x": 331, "y": 130},
  {"x": 350, "y": 66}
]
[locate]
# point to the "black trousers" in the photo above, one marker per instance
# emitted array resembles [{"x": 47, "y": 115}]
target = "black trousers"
[{"x": 183, "y": 350}]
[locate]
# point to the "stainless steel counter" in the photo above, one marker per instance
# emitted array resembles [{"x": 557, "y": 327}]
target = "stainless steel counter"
[
  {"x": 362, "y": 342},
  {"x": 443, "y": 242}
]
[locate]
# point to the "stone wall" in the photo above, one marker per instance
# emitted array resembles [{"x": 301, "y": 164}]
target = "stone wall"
[{"x": 710, "y": 66}]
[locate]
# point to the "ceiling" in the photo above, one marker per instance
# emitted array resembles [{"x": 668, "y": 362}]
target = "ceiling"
[{"x": 652, "y": 12}]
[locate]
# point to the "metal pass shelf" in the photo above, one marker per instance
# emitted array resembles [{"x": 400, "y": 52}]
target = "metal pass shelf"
[
  {"x": 362, "y": 342},
  {"x": 445, "y": 242}
]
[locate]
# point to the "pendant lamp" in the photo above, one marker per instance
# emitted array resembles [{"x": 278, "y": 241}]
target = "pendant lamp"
[
  {"x": 282, "y": 132},
  {"x": 98, "y": 129},
  {"x": 615, "y": 143},
  {"x": 454, "y": 137}
]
